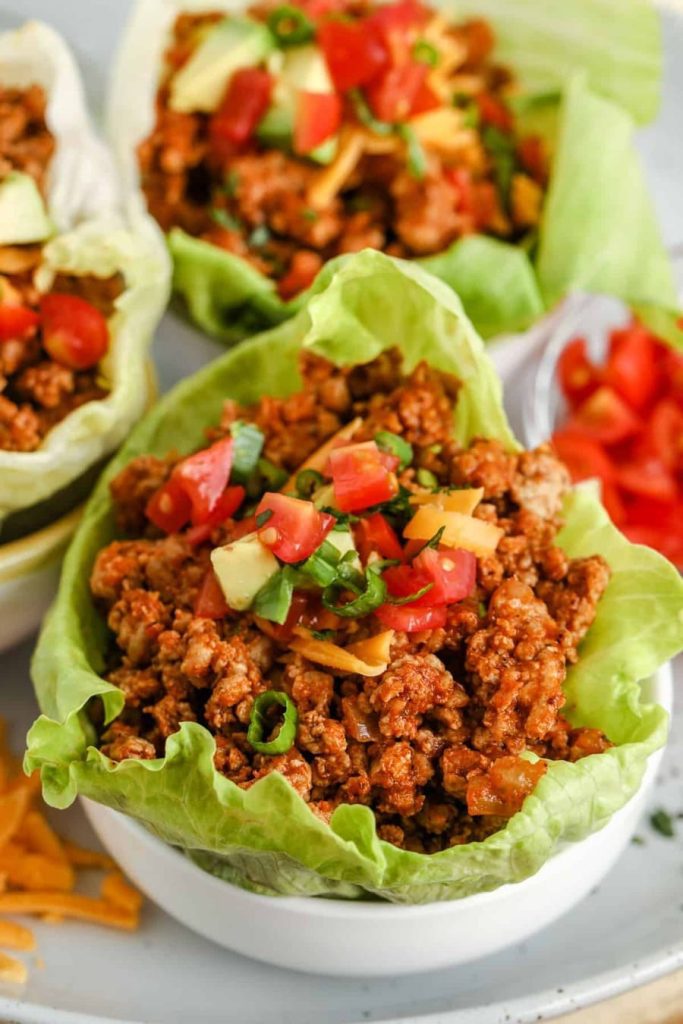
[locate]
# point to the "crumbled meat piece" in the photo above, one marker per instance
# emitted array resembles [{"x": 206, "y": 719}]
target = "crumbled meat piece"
[
  {"x": 132, "y": 488},
  {"x": 540, "y": 482},
  {"x": 501, "y": 791},
  {"x": 408, "y": 689},
  {"x": 137, "y": 619},
  {"x": 121, "y": 742},
  {"x": 292, "y": 765},
  {"x": 427, "y": 219},
  {"x": 398, "y": 774},
  {"x": 573, "y": 601},
  {"x": 484, "y": 464}
]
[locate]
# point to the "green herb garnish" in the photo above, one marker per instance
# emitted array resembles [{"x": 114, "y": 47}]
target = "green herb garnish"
[
  {"x": 370, "y": 590},
  {"x": 275, "y": 597},
  {"x": 417, "y": 160},
  {"x": 248, "y": 445},
  {"x": 263, "y": 517},
  {"x": 225, "y": 219},
  {"x": 231, "y": 183},
  {"x": 662, "y": 822},
  {"x": 426, "y": 478},
  {"x": 395, "y": 445},
  {"x": 275, "y": 476},
  {"x": 259, "y": 237},
  {"x": 308, "y": 481},
  {"x": 260, "y": 723},
  {"x": 425, "y": 53},
  {"x": 366, "y": 117}
]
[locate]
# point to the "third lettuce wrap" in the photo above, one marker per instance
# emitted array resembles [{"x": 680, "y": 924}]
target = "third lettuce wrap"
[{"x": 368, "y": 304}]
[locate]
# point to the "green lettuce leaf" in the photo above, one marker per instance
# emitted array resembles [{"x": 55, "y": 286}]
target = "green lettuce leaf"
[
  {"x": 95, "y": 429},
  {"x": 357, "y": 309}
]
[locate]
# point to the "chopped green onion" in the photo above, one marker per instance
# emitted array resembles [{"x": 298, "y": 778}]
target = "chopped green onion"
[
  {"x": 263, "y": 517},
  {"x": 501, "y": 148},
  {"x": 322, "y": 565},
  {"x": 426, "y": 478},
  {"x": 275, "y": 476},
  {"x": 433, "y": 542},
  {"x": 290, "y": 26},
  {"x": 231, "y": 183},
  {"x": 248, "y": 444},
  {"x": 471, "y": 116},
  {"x": 662, "y": 822},
  {"x": 323, "y": 634},
  {"x": 310, "y": 215},
  {"x": 225, "y": 219},
  {"x": 308, "y": 481},
  {"x": 417, "y": 160},
  {"x": 366, "y": 117},
  {"x": 395, "y": 445},
  {"x": 411, "y": 597},
  {"x": 275, "y": 597},
  {"x": 368, "y": 599},
  {"x": 425, "y": 53},
  {"x": 481, "y": 609},
  {"x": 259, "y": 237},
  {"x": 259, "y": 723},
  {"x": 435, "y": 449}
]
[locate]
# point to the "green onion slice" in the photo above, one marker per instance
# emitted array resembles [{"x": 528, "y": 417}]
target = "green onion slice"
[
  {"x": 322, "y": 565},
  {"x": 259, "y": 723},
  {"x": 426, "y": 478},
  {"x": 274, "y": 476},
  {"x": 246, "y": 452},
  {"x": 274, "y": 599},
  {"x": 224, "y": 219},
  {"x": 395, "y": 445},
  {"x": 308, "y": 481},
  {"x": 411, "y": 597},
  {"x": 366, "y": 117},
  {"x": 290, "y": 26},
  {"x": 425, "y": 53},
  {"x": 371, "y": 592},
  {"x": 417, "y": 160}
]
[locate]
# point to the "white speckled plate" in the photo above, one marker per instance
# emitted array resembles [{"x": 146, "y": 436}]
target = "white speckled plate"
[{"x": 626, "y": 933}]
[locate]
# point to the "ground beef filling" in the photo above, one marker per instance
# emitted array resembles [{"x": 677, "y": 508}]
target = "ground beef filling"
[
  {"x": 254, "y": 201},
  {"x": 26, "y": 143},
  {"x": 433, "y": 746}
]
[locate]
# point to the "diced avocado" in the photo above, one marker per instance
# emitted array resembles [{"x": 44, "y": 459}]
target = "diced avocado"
[
  {"x": 232, "y": 44},
  {"x": 326, "y": 151},
  {"x": 304, "y": 69},
  {"x": 300, "y": 69},
  {"x": 276, "y": 128},
  {"x": 23, "y": 217},
  {"x": 242, "y": 568}
]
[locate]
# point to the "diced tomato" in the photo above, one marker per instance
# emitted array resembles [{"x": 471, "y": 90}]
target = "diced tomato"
[
  {"x": 404, "y": 580},
  {"x": 485, "y": 204},
  {"x": 75, "y": 333},
  {"x": 204, "y": 477},
  {"x": 453, "y": 572},
  {"x": 170, "y": 507},
  {"x": 392, "y": 97},
  {"x": 397, "y": 25},
  {"x": 672, "y": 371},
  {"x": 668, "y": 544},
  {"x": 492, "y": 111},
  {"x": 245, "y": 102},
  {"x": 411, "y": 619},
  {"x": 664, "y": 434},
  {"x": 375, "y": 534},
  {"x": 17, "y": 322},
  {"x": 228, "y": 503},
  {"x": 579, "y": 377},
  {"x": 632, "y": 367},
  {"x": 605, "y": 417},
  {"x": 583, "y": 457},
  {"x": 318, "y": 116},
  {"x": 460, "y": 178},
  {"x": 354, "y": 52},
  {"x": 425, "y": 100},
  {"x": 647, "y": 478},
  {"x": 301, "y": 274},
  {"x": 211, "y": 603},
  {"x": 664, "y": 515},
  {"x": 361, "y": 476},
  {"x": 295, "y": 528},
  {"x": 534, "y": 159}
]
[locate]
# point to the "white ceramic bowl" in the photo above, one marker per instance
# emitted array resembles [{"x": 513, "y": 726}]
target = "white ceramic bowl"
[{"x": 339, "y": 937}]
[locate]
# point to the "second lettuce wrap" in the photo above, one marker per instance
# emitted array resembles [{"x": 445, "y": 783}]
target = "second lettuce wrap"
[{"x": 357, "y": 310}]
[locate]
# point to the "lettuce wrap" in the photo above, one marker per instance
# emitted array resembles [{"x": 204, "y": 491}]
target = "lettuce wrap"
[
  {"x": 588, "y": 76},
  {"x": 265, "y": 838}
]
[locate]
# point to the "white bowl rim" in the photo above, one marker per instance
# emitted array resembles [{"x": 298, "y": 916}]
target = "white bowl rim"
[{"x": 335, "y": 908}]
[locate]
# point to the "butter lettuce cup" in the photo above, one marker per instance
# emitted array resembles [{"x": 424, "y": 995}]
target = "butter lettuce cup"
[
  {"x": 328, "y": 630},
  {"x": 493, "y": 148}
]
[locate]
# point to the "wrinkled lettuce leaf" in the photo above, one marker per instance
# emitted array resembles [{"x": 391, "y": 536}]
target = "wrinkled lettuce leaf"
[
  {"x": 95, "y": 429},
  {"x": 357, "y": 309}
]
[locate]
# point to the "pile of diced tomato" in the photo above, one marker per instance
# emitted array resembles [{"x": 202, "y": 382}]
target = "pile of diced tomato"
[
  {"x": 73, "y": 332},
  {"x": 625, "y": 427}
]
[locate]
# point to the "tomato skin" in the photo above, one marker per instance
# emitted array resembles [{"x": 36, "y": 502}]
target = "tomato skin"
[
  {"x": 397, "y": 25},
  {"x": 583, "y": 457},
  {"x": 493, "y": 112},
  {"x": 411, "y": 619},
  {"x": 393, "y": 96},
  {"x": 374, "y": 533},
  {"x": 17, "y": 322},
  {"x": 579, "y": 378},
  {"x": 245, "y": 102},
  {"x": 75, "y": 333},
  {"x": 453, "y": 572},
  {"x": 531, "y": 151},
  {"x": 460, "y": 179},
  {"x": 425, "y": 100},
  {"x": 664, "y": 434},
  {"x": 647, "y": 478},
  {"x": 295, "y": 529},
  {"x": 204, "y": 477},
  {"x": 668, "y": 544},
  {"x": 354, "y": 53},
  {"x": 361, "y": 476},
  {"x": 169, "y": 508},
  {"x": 404, "y": 580},
  {"x": 605, "y": 417},
  {"x": 227, "y": 505},
  {"x": 632, "y": 367},
  {"x": 210, "y": 602},
  {"x": 318, "y": 117}
]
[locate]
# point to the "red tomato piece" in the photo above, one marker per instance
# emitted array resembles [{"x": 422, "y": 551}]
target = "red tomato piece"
[
  {"x": 204, "y": 477},
  {"x": 605, "y": 417},
  {"x": 583, "y": 457},
  {"x": 354, "y": 52},
  {"x": 453, "y": 572},
  {"x": 169, "y": 508},
  {"x": 17, "y": 322},
  {"x": 245, "y": 102},
  {"x": 670, "y": 545},
  {"x": 404, "y": 580},
  {"x": 295, "y": 529},
  {"x": 425, "y": 101},
  {"x": 228, "y": 503},
  {"x": 632, "y": 366},
  {"x": 534, "y": 158},
  {"x": 411, "y": 619},
  {"x": 375, "y": 534},
  {"x": 361, "y": 476},
  {"x": 460, "y": 179},
  {"x": 664, "y": 434},
  {"x": 210, "y": 602},
  {"x": 672, "y": 371},
  {"x": 579, "y": 377},
  {"x": 492, "y": 111},
  {"x": 301, "y": 274},
  {"x": 397, "y": 25},
  {"x": 393, "y": 96},
  {"x": 647, "y": 478},
  {"x": 318, "y": 116},
  {"x": 75, "y": 333}
]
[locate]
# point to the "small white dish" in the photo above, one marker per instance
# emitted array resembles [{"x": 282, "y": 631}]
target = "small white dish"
[{"x": 368, "y": 939}]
